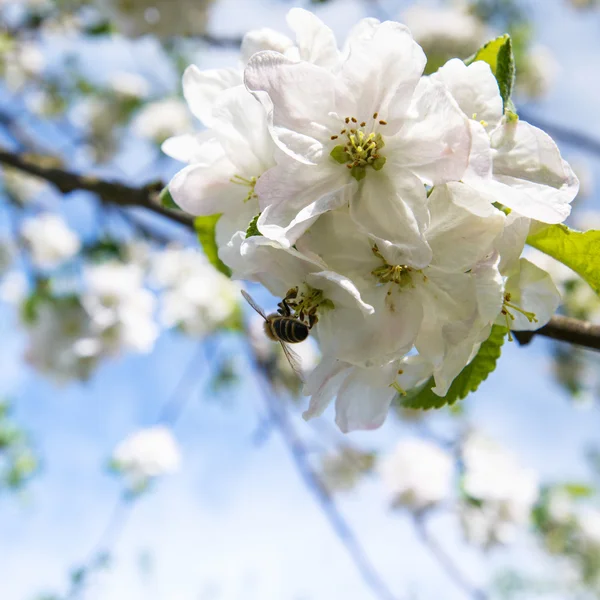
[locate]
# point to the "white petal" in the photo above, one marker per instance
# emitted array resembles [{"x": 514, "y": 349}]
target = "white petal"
[
  {"x": 338, "y": 241},
  {"x": 323, "y": 384},
  {"x": 533, "y": 179},
  {"x": 314, "y": 39},
  {"x": 395, "y": 212},
  {"x": 293, "y": 195},
  {"x": 463, "y": 227},
  {"x": 364, "y": 398},
  {"x": 474, "y": 88},
  {"x": 480, "y": 159},
  {"x": 489, "y": 286},
  {"x": 241, "y": 123},
  {"x": 511, "y": 241},
  {"x": 339, "y": 289},
  {"x": 300, "y": 117},
  {"x": 380, "y": 75},
  {"x": 435, "y": 140},
  {"x": 532, "y": 290},
  {"x": 201, "y": 89},
  {"x": 188, "y": 148},
  {"x": 259, "y": 40},
  {"x": 206, "y": 189}
]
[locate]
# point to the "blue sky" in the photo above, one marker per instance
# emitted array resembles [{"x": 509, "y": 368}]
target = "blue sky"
[{"x": 237, "y": 523}]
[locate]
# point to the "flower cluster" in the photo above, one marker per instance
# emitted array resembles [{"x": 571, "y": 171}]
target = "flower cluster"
[{"x": 387, "y": 209}]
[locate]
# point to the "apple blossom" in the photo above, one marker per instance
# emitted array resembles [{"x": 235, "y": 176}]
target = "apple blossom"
[
  {"x": 50, "y": 240},
  {"x": 417, "y": 474}
]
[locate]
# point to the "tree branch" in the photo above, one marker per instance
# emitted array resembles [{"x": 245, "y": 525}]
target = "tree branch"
[
  {"x": 112, "y": 192},
  {"x": 565, "y": 329}
]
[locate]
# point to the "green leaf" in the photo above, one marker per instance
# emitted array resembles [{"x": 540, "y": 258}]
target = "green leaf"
[
  {"x": 578, "y": 490},
  {"x": 498, "y": 53},
  {"x": 252, "y": 228},
  {"x": 578, "y": 250},
  {"x": 467, "y": 380},
  {"x": 205, "y": 228},
  {"x": 166, "y": 199}
]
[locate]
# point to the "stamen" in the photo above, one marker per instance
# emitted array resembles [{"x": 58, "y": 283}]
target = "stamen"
[
  {"x": 383, "y": 122},
  {"x": 334, "y": 137},
  {"x": 397, "y": 387}
]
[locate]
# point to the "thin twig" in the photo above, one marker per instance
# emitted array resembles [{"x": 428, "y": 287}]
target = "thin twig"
[
  {"x": 300, "y": 455},
  {"x": 446, "y": 561}
]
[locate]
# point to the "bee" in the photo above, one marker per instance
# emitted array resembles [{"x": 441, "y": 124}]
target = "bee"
[{"x": 284, "y": 328}]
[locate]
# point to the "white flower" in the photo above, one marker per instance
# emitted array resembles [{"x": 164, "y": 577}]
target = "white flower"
[
  {"x": 50, "y": 240},
  {"x": 413, "y": 305},
  {"x": 505, "y": 491},
  {"x": 225, "y": 163},
  {"x": 512, "y": 162},
  {"x": 146, "y": 454},
  {"x": 13, "y": 287},
  {"x": 375, "y": 130},
  {"x": 120, "y": 307},
  {"x": 162, "y": 119},
  {"x": 23, "y": 187},
  {"x": 417, "y": 475},
  {"x": 129, "y": 85},
  {"x": 588, "y": 521},
  {"x": 330, "y": 297},
  {"x": 55, "y": 330}
]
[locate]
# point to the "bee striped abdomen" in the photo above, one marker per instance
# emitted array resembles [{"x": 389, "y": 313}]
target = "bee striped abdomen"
[{"x": 288, "y": 329}]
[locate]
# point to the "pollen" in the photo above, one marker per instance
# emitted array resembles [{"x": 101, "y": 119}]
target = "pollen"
[
  {"x": 399, "y": 274},
  {"x": 361, "y": 150}
]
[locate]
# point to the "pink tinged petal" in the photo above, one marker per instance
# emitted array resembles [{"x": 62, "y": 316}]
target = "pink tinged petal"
[
  {"x": 299, "y": 117},
  {"x": 364, "y": 398},
  {"x": 532, "y": 290},
  {"x": 201, "y": 89},
  {"x": 474, "y": 88},
  {"x": 323, "y": 384},
  {"x": 463, "y": 227},
  {"x": 394, "y": 211},
  {"x": 435, "y": 140},
  {"x": 259, "y": 40},
  {"x": 531, "y": 177},
  {"x": 241, "y": 125},
  {"x": 380, "y": 74},
  {"x": 314, "y": 39},
  {"x": 293, "y": 195},
  {"x": 206, "y": 189}
]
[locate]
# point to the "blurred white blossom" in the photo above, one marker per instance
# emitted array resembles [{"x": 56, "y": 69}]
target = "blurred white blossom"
[
  {"x": 195, "y": 296},
  {"x": 538, "y": 73},
  {"x": 22, "y": 187},
  {"x": 146, "y": 454},
  {"x": 500, "y": 492},
  {"x": 121, "y": 309},
  {"x": 417, "y": 475},
  {"x": 129, "y": 85},
  {"x": 163, "y": 119},
  {"x": 50, "y": 240}
]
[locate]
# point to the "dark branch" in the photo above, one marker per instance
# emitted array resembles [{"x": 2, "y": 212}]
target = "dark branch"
[
  {"x": 112, "y": 192},
  {"x": 560, "y": 328},
  {"x": 565, "y": 329}
]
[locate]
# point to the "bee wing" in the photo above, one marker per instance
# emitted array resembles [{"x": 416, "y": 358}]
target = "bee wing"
[
  {"x": 294, "y": 360},
  {"x": 253, "y": 304}
]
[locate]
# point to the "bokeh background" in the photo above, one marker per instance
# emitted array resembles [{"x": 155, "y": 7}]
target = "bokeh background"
[{"x": 263, "y": 506}]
